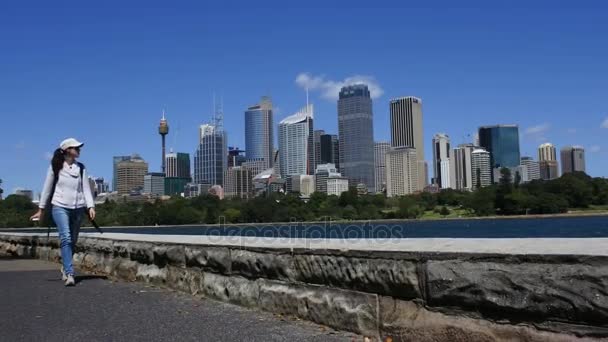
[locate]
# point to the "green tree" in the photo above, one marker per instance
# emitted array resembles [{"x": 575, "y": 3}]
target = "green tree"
[{"x": 444, "y": 211}]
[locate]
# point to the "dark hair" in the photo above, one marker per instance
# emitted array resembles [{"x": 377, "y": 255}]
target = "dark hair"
[{"x": 57, "y": 161}]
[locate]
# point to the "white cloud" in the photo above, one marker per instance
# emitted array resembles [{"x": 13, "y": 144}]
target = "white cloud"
[
  {"x": 594, "y": 149},
  {"x": 605, "y": 123},
  {"x": 330, "y": 89},
  {"x": 538, "y": 129},
  {"x": 48, "y": 155}
]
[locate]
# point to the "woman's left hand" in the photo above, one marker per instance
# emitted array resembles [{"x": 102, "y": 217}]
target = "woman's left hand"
[{"x": 92, "y": 213}]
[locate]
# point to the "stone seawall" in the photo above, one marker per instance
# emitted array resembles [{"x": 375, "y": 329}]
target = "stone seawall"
[{"x": 407, "y": 296}]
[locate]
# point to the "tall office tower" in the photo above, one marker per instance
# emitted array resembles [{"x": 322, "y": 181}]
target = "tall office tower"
[
  {"x": 236, "y": 156},
  {"x": 401, "y": 171},
  {"x": 482, "y": 170},
  {"x": 356, "y": 135},
  {"x": 330, "y": 150},
  {"x": 573, "y": 159},
  {"x": 461, "y": 167},
  {"x": 238, "y": 182},
  {"x": 210, "y": 161},
  {"x": 502, "y": 141},
  {"x": 154, "y": 183},
  {"x": 259, "y": 137},
  {"x": 115, "y": 161},
  {"x": 406, "y": 131},
  {"x": 441, "y": 160},
  {"x": 380, "y": 150},
  {"x": 317, "y": 146},
  {"x": 533, "y": 168},
  {"x": 549, "y": 169},
  {"x": 163, "y": 130},
  {"x": 178, "y": 165},
  {"x": 130, "y": 174},
  {"x": 546, "y": 152},
  {"x": 296, "y": 151}
]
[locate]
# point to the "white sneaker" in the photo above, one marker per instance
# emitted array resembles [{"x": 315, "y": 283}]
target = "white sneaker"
[
  {"x": 64, "y": 277},
  {"x": 70, "y": 280}
]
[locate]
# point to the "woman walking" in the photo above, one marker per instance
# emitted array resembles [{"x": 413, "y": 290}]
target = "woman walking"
[{"x": 67, "y": 194}]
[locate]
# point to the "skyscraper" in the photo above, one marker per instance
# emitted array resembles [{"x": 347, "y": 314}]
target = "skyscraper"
[
  {"x": 549, "y": 169},
  {"x": 406, "y": 131},
  {"x": 401, "y": 171},
  {"x": 115, "y": 161},
  {"x": 546, "y": 152},
  {"x": 238, "y": 182},
  {"x": 163, "y": 130},
  {"x": 296, "y": 151},
  {"x": 482, "y": 170},
  {"x": 532, "y": 167},
  {"x": 178, "y": 165},
  {"x": 322, "y": 174},
  {"x": 573, "y": 159},
  {"x": 356, "y": 135},
  {"x": 317, "y": 146},
  {"x": 259, "y": 137},
  {"x": 462, "y": 167},
  {"x": 441, "y": 160},
  {"x": 380, "y": 150},
  {"x": 210, "y": 160},
  {"x": 235, "y": 156},
  {"x": 502, "y": 141},
  {"x": 154, "y": 183},
  {"x": 330, "y": 150},
  {"x": 130, "y": 174}
]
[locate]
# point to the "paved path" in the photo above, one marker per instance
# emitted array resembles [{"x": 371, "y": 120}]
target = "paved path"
[{"x": 37, "y": 307}]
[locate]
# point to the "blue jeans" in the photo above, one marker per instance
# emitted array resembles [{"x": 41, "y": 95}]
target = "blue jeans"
[{"x": 68, "y": 226}]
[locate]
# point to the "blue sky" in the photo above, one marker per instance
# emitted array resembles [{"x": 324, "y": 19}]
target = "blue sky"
[{"x": 103, "y": 74}]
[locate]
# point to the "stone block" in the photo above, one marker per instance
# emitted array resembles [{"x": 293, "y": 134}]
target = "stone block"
[
  {"x": 210, "y": 259},
  {"x": 256, "y": 265},
  {"x": 397, "y": 278},
  {"x": 169, "y": 255},
  {"x": 574, "y": 293},
  {"x": 345, "y": 310}
]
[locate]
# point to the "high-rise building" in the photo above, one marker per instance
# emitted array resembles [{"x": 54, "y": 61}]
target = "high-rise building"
[
  {"x": 178, "y": 165},
  {"x": 402, "y": 171},
  {"x": 100, "y": 186},
  {"x": 259, "y": 137},
  {"x": 317, "y": 146},
  {"x": 502, "y": 141},
  {"x": 176, "y": 185},
  {"x": 380, "y": 150},
  {"x": 406, "y": 131},
  {"x": 356, "y": 135},
  {"x": 115, "y": 161},
  {"x": 549, "y": 169},
  {"x": 532, "y": 167},
  {"x": 330, "y": 150},
  {"x": 441, "y": 160},
  {"x": 573, "y": 159},
  {"x": 296, "y": 151},
  {"x": 210, "y": 160},
  {"x": 546, "y": 152},
  {"x": 154, "y": 183},
  {"x": 462, "y": 167},
  {"x": 238, "y": 182},
  {"x": 236, "y": 156},
  {"x": 130, "y": 174},
  {"x": 482, "y": 170},
  {"x": 163, "y": 130},
  {"x": 322, "y": 174},
  {"x": 25, "y": 193}
]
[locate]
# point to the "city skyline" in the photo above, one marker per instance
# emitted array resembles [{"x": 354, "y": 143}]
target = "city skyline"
[{"x": 112, "y": 100}]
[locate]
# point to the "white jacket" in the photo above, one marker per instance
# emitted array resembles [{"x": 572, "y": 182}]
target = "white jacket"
[{"x": 70, "y": 192}]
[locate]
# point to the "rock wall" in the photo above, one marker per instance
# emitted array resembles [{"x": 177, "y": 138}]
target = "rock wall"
[{"x": 404, "y": 296}]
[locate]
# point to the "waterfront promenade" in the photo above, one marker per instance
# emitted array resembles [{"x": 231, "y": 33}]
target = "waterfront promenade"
[{"x": 37, "y": 307}]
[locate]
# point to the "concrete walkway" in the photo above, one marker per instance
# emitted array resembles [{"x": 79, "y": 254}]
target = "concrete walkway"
[{"x": 37, "y": 307}]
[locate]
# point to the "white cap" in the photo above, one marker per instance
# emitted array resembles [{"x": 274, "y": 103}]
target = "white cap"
[{"x": 70, "y": 142}]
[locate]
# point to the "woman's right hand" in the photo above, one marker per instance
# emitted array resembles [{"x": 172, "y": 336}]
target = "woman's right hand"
[{"x": 36, "y": 216}]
